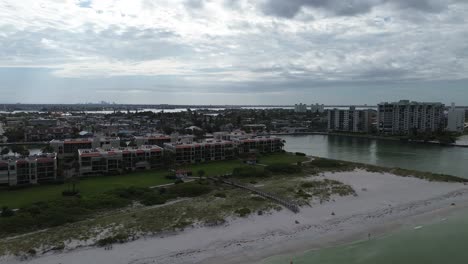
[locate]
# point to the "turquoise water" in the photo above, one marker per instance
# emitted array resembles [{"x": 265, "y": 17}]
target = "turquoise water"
[
  {"x": 432, "y": 158},
  {"x": 442, "y": 242}
]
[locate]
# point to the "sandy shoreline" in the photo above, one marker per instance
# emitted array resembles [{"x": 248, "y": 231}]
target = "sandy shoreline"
[{"x": 384, "y": 203}]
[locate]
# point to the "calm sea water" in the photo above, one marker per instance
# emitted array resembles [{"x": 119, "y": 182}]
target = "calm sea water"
[
  {"x": 432, "y": 158},
  {"x": 441, "y": 242}
]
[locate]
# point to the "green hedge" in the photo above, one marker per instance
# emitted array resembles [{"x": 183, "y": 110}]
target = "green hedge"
[
  {"x": 244, "y": 172},
  {"x": 283, "y": 168}
]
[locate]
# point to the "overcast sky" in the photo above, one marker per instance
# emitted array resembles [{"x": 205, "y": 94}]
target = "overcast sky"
[{"x": 233, "y": 51}]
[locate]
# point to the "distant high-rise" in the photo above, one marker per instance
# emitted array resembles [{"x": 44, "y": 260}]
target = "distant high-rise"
[
  {"x": 456, "y": 120},
  {"x": 320, "y": 108},
  {"x": 350, "y": 120},
  {"x": 405, "y": 117},
  {"x": 300, "y": 108}
]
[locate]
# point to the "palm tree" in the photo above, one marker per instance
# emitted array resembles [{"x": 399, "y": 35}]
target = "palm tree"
[
  {"x": 201, "y": 173},
  {"x": 47, "y": 149},
  {"x": 5, "y": 151}
]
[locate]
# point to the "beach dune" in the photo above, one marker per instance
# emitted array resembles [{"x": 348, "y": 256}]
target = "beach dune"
[{"x": 384, "y": 202}]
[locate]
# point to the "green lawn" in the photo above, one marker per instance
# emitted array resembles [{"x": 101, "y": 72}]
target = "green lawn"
[
  {"x": 93, "y": 185},
  {"x": 88, "y": 186}
]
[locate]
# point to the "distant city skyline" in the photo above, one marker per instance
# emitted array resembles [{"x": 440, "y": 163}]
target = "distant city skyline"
[{"x": 228, "y": 52}]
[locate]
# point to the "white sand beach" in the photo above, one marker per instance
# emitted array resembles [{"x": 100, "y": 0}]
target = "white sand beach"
[{"x": 383, "y": 203}]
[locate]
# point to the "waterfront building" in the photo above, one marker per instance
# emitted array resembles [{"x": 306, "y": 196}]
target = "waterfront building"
[
  {"x": 103, "y": 161},
  {"x": 300, "y": 108},
  {"x": 68, "y": 148},
  {"x": 317, "y": 108},
  {"x": 351, "y": 120},
  {"x": 33, "y": 169},
  {"x": 248, "y": 142},
  {"x": 455, "y": 119},
  {"x": 262, "y": 144},
  {"x": 405, "y": 117},
  {"x": 152, "y": 139},
  {"x": 46, "y": 134},
  {"x": 195, "y": 152}
]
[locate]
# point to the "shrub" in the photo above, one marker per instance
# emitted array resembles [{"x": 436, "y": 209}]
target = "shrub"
[
  {"x": 179, "y": 181},
  {"x": 326, "y": 163},
  {"x": 70, "y": 193},
  {"x": 283, "y": 168},
  {"x": 243, "y": 212},
  {"x": 220, "y": 195},
  {"x": 300, "y": 154},
  {"x": 130, "y": 192},
  {"x": 7, "y": 212},
  {"x": 152, "y": 198},
  {"x": 314, "y": 184},
  {"x": 104, "y": 201},
  {"x": 244, "y": 172},
  {"x": 302, "y": 194},
  {"x": 181, "y": 224},
  {"x": 214, "y": 221},
  {"x": 189, "y": 190},
  {"x": 257, "y": 198},
  {"x": 171, "y": 176},
  {"x": 119, "y": 238}
]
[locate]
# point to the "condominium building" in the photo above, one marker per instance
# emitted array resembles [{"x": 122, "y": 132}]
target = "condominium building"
[
  {"x": 300, "y": 108},
  {"x": 209, "y": 150},
  {"x": 43, "y": 122},
  {"x": 405, "y": 117},
  {"x": 45, "y": 134},
  {"x": 456, "y": 119},
  {"x": 28, "y": 170},
  {"x": 153, "y": 139},
  {"x": 262, "y": 144},
  {"x": 351, "y": 120},
  {"x": 317, "y": 108},
  {"x": 248, "y": 142},
  {"x": 103, "y": 161},
  {"x": 69, "y": 147}
]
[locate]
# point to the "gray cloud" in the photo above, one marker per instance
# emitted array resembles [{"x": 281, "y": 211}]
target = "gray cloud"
[
  {"x": 291, "y": 8},
  {"x": 162, "y": 49},
  {"x": 195, "y": 3}
]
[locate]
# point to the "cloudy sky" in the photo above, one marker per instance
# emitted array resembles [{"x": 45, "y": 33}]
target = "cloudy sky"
[{"x": 233, "y": 51}]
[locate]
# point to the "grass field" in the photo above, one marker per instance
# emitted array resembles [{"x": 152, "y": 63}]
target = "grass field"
[
  {"x": 94, "y": 185},
  {"x": 88, "y": 186}
]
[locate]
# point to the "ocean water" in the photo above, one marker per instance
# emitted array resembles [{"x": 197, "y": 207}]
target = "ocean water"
[{"x": 444, "y": 241}]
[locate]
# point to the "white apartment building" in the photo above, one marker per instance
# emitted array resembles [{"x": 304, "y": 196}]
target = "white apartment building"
[
  {"x": 153, "y": 139},
  {"x": 300, "y": 108},
  {"x": 28, "y": 170},
  {"x": 102, "y": 161},
  {"x": 350, "y": 120},
  {"x": 69, "y": 147},
  {"x": 405, "y": 117},
  {"x": 195, "y": 152},
  {"x": 456, "y": 120},
  {"x": 317, "y": 108}
]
